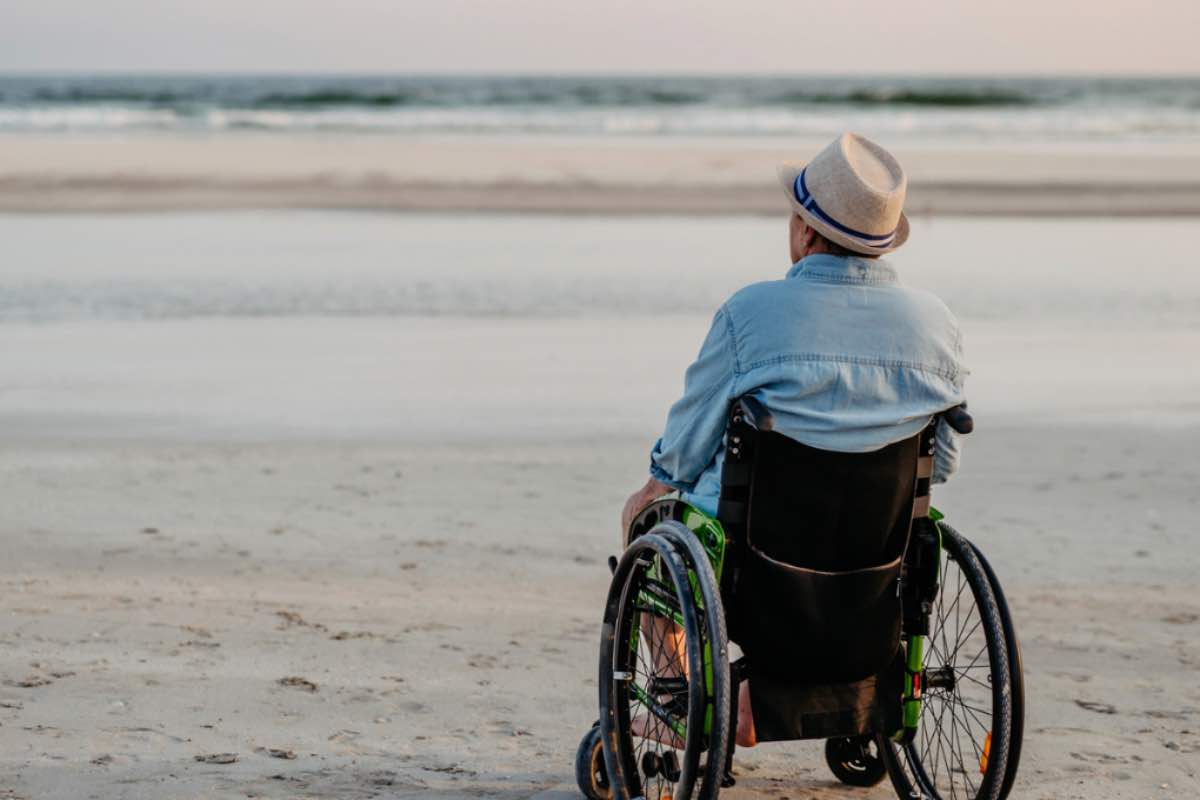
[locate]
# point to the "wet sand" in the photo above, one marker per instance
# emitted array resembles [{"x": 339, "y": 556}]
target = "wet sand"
[{"x": 577, "y": 175}]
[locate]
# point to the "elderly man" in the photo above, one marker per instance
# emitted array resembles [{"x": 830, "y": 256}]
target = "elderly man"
[{"x": 843, "y": 355}]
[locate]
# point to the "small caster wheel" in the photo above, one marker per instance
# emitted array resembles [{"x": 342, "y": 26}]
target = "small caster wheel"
[
  {"x": 590, "y": 772},
  {"x": 854, "y": 760}
]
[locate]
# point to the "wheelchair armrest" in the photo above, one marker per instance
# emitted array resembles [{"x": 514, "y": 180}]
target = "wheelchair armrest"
[
  {"x": 958, "y": 419},
  {"x": 754, "y": 413}
]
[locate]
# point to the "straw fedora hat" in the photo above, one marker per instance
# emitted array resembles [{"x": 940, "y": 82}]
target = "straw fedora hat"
[{"x": 852, "y": 193}]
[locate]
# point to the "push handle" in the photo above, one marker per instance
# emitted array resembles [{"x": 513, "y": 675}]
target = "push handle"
[
  {"x": 958, "y": 419},
  {"x": 754, "y": 413}
]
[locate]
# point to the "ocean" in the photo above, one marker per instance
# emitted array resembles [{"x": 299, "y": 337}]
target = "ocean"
[{"x": 953, "y": 109}]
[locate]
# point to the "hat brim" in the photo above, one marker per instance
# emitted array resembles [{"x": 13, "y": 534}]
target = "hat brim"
[{"x": 787, "y": 180}]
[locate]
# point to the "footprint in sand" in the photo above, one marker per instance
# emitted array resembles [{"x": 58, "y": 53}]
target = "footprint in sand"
[
  {"x": 504, "y": 727},
  {"x": 140, "y": 734},
  {"x": 276, "y": 752},
  {"x": 217, "y": 758},
  {"x": 1099, "y": 758},
  {"x": 29, "y": 682},
  {"x": 296, "y": 682},
  {"x": 412, "y": 707},
  {"x": 1099, "y": 708}
]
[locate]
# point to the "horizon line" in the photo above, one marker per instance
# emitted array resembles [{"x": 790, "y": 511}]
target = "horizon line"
[{"x": 576, "y": 73}]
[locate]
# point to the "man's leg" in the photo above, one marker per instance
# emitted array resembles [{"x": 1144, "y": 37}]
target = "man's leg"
[{"x": 745, "y": 722}]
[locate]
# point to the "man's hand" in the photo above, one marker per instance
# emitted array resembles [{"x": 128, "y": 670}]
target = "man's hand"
[{"x": 638, "y": 500}]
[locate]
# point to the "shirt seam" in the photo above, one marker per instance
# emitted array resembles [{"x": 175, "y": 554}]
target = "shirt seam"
[
  {"x": 732, "y": 333},
  {"x": 818, "y": 277},
  {"x": 951, "y": 375}
]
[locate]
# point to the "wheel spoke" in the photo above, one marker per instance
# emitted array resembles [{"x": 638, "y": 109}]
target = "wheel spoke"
[
  {"x": 966, "y": 720},
  {"x": 942, "y": 617},
  {"x": 958, "y": 741},
  {"x": 946, "y": 648},
  {"x": 973, "y": 661},
  {"x": 937, "y": 730},
  {"x": 970, "y": 716},
  {"x": 963, "y": 637},
  {"x": 961, "y": 674},
  {"x": 971, "y": 710}
]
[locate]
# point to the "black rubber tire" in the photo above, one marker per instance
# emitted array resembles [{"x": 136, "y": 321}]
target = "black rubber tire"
[
  {"x": 852, "y": 763},
  {"x": 620, "y": 753},
  {"x": 591, "y": 775},
  {"x": 905, "y": 764},
  {"x": 1016, "y": 666},
  {"x": 713, "y": 624}
]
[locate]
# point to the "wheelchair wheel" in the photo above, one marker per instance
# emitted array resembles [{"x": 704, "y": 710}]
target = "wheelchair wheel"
[
  {"x": 656, "y": 711},
  {"x": 965, "y": 733}
]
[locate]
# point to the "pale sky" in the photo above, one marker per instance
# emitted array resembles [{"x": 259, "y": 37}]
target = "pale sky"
[{"x": 790, "y": 36}]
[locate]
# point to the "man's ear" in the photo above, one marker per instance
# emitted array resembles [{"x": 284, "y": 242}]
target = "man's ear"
[{"x": 808, "y": 236}]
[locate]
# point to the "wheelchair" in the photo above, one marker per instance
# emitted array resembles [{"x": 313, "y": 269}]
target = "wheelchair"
[{"x": 862, "y": 617}]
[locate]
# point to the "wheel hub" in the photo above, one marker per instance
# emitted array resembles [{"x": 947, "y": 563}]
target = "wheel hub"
[{"x": 940, "y": 678}]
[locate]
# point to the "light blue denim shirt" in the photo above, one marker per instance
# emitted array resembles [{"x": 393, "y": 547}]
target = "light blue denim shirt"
[{"x": 843, "y": 356}]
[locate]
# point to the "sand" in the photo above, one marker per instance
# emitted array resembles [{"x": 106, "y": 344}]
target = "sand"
[
  {"x": 564, "y": 175},
  {"x": 282, "y": 555},
  {"x": 386, "y": 620}
]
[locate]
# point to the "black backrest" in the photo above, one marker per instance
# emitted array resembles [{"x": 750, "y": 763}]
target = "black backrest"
[
  {"x": 830, "y": 511},
  {"x": 816, "y": 540},
  {"x": 816, "y": 508}
]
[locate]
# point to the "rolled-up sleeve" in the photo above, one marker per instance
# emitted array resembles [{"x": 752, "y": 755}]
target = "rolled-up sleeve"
[
  {"x": 947, "y": 442},
  {"x": 947, "y": 451},
  {"x": 696, "y": 423}
]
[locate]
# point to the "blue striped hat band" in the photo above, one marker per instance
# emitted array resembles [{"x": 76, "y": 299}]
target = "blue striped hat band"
[{"x": 805, "y": 198}]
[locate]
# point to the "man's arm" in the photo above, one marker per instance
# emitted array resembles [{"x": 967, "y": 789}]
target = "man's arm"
[
  {"x": 696, "y": 423},
  {"x": 948, "y": 442},
  {"x": 650, "y": 492}
]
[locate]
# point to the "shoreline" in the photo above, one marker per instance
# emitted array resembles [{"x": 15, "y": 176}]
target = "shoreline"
[
  {"x": 124, "y": 193},
  {"x": 131, "y": 173}
]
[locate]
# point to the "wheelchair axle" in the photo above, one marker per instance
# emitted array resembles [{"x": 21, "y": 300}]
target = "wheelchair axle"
[{"x": 940, "y": 678}]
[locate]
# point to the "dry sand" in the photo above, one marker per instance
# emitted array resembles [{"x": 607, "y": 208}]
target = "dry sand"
[
  {"x": 389, "y": 620},
  {"x": 414, "y": 613},
  {"x": 579, "y": 175}
]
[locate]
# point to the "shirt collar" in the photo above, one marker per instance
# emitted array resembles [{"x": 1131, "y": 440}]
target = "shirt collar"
[{"x": 848, "y": 269}]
